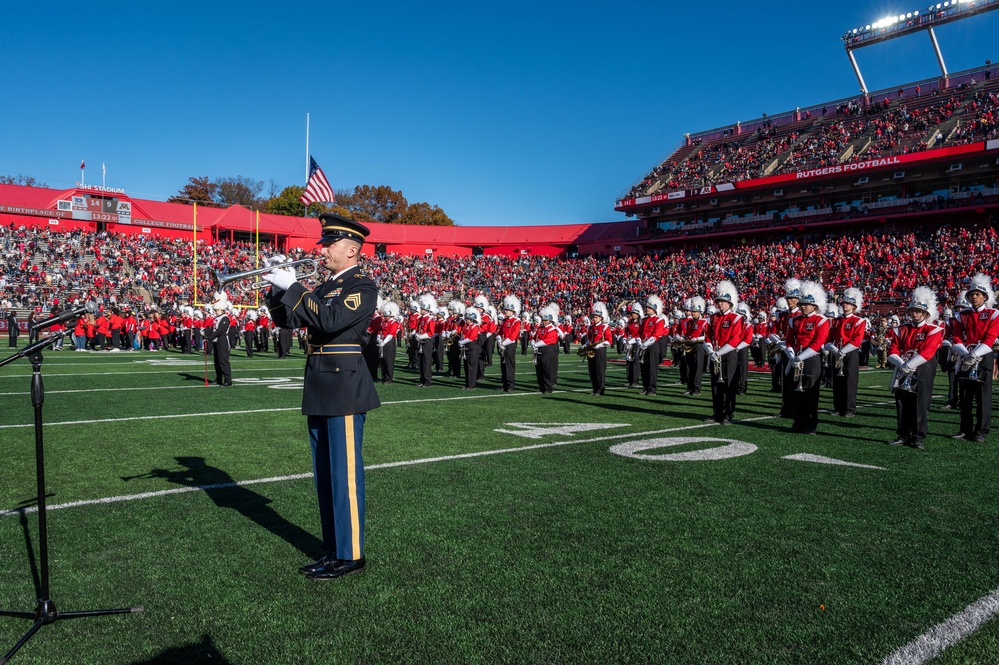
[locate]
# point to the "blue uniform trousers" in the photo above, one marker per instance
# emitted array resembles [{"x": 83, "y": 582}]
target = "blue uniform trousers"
[{"x": 339, "y": 474}]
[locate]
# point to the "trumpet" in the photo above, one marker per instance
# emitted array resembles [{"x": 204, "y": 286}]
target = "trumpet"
[
  {"x": 221, "y": 280},
  {"x": 586, "y": 351},
  {"x": 798, "y": 376}
]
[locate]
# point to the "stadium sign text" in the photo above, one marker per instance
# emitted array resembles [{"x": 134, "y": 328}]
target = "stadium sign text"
[
  {"x": 99, "y": 188},
  {"x": 844, "y": 168}
]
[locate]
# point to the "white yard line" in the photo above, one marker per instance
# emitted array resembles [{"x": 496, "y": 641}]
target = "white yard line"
[{"x": 937, "y": 639}]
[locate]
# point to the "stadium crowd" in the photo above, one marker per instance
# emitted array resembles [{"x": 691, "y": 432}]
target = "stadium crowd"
[
  {"x": 893, "y": 126},
  {"x": 41, "y": 269}
]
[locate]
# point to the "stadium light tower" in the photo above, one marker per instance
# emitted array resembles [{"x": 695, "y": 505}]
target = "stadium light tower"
[{"x": 908, "y": 23}]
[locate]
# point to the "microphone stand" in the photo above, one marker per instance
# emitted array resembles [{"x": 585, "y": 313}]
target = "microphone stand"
[{"x": 45, "y": 611}]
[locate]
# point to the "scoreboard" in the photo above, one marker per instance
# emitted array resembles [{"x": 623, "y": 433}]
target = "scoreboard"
[{"x": 98, "y": 208}]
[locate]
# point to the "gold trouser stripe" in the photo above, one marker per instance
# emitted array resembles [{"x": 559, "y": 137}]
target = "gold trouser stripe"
[{"x": 355, "y": 527}]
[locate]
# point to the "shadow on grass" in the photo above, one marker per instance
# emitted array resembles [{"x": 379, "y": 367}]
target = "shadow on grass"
[
  {"x": 224, "y": 491},
  {"x": 198, "y": 652}
]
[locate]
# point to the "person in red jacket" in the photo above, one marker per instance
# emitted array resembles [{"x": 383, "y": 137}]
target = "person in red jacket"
[
  {"x": 470, "y": 349},
  {"x": 545, "y": 344},
  {"x": 724, "y": 334},
  {"x": 101, "y": 341},
  {"x": 598, "y": 338},
  {"x": 249, "y": 332},
  {"x": 80, "y": 334},
  {"x": 425, "y": 328},
  {"x": 809, "y": 332},
  {"x": 975, "y": 334},
  {"x": 913, "y": 353},
  {"x": 386, "y": 340},
  {"x": 509, "y": 333},
  {"x": 694, "y": 333},
  {"x": 844, "y": 345},
  {"x": 130, "y": 328}
]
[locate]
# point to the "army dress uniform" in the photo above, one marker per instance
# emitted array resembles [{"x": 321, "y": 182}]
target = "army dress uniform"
[{"x": 337, "y": 395}]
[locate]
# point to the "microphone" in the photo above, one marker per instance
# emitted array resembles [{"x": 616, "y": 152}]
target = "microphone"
[{"x": 63, "y": 317}]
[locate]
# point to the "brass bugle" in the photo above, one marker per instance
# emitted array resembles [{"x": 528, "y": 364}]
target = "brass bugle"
[{"x": 220, "y": 280}]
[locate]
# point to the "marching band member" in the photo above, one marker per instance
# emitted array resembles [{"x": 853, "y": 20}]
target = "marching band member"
[
  {"x": 913, "y": 353},
  {"x": 846, "y": 340},
  {"x": 525, "y": 333},
  {"x": 485, "y": 322},
  {"x": 250, "y": 332},
  {"x": 545, "y": 343},
  {"x": 804, "y": 345},
  {"x": 219, "y": 338},
  {"x": 724, "y": 333},
  {"x": 633, "y": 340},
  {"x": 197, "y": 331},
  {"x": 785, "y": 322},
  {"x": 386, "y": 340},
  {"x": 694, "y": 333},
  {"x": 566, "y": 333},
  {"x": 828, "y": 359},
  {"x": 598, "y": 338},
  {"x": 370, "y": 349},
  {"x": 412, "y": 321},
  {"x": 263, "y": 330},
  {"x": 508, "y": 335},
  {"x": 775, "y": 347},
  {"x": 947, "y": 358},
  {"x": 208, "y": 325},
  {"x": 338, "y": 393},
  {"x": 748, "y": 334},
  {"x": 680, "y": 344},
  {"x": 652, "y": 329},
  {"x": 452, "y": 348},
  {"x": 975, "y": 333},
  {"x": 185, "y": 328},
  {"x": 470, "y": 346},
  {"x": 424, "y": 334},
  {"x": 757, "y": 348},
  {"x": 441, "y": 325}
]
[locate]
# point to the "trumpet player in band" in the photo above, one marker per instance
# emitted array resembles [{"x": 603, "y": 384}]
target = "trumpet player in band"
[
  {"x": 975, "y": 333},
  {"x": 470, "y": 348},
  {"x": 386, "y": 340},
  {"x": 598, "y": 338},
  {"x": 653, "y": 328},
  {"x": 743, "y": 347},
  {"x": 632, "y": 341},
  {"x": 693, "y": 337},
  {"x": 545, "y": 344},
  {"x": 845, "y": 340},
  {"x": 508, "y": 335},
  {"x": 785, "y": 323},
  {"x": 723, "y": 336},
  {"x": 809, "y": 332},
  {"x": 946, "y": 356},
  {"x": 454, "y": 330},
  {"x": 913, "y": 354}
]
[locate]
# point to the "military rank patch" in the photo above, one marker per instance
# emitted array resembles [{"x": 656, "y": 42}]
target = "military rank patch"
[{"x": 353, "y": 301}]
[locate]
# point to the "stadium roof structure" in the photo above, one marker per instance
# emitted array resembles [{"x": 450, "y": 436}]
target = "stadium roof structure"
[{"x": 102, "y": 208}]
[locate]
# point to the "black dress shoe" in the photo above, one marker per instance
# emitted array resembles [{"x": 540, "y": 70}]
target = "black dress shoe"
[
  {"x": 959, "y": 435},
  {"x": 726, "y": 421},
  {"x": 946, "y": 407},
  {"x": 918, "y": 445},
  {"x": 337, "y": 568},
  {"x": 711, "y": 420},
  {"x": 849, "y": 414},
  {"x": 978, "y": 438},
  {"x": 900, "y": 441},
  {"x": 317, "y": 564}
]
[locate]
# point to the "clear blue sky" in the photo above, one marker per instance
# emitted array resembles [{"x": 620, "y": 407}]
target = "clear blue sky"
[{"x": 518, "y": 113}]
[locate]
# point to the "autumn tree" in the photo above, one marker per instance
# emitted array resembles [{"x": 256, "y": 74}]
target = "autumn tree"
[
  {"x": 377, "y": 204},
  {"x": 23, "y": 180},
  {"x": 423, "y": 214},
  {"x": 197, "y": 190},
  {"x": 239, "y": 191}
]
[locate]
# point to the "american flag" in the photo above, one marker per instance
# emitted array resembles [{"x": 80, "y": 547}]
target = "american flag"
[{"x": 318, "y": 189}]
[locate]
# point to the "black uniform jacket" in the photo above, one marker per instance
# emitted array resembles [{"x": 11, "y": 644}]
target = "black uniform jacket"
[{"x": 337, "y": 380}]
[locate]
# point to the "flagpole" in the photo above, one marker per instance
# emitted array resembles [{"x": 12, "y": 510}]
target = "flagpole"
[
  {"x": 306, "y": 149},
  {"x": 104, "y": 175},
  {"x": 83, "y": 180}
]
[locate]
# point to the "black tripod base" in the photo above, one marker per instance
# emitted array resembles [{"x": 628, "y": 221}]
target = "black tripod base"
[{"x": 47, "y": 613}]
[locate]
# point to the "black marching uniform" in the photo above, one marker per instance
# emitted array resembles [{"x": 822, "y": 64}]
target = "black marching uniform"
[{"x": 220, "y": 342}]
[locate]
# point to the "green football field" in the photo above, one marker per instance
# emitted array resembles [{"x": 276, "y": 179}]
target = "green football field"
[{"x": 518, "y": 528}]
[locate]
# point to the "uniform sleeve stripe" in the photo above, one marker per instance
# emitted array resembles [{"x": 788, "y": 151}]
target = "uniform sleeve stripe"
[{"x": 355, "y": 526}]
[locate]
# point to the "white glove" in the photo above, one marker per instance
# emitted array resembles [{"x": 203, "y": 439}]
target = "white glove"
[
  {"x": 281, "y": 278},
  {"x": 798, "y": 364},
  {"x": 714, "y": 357},
  {"x": 904, "y": 368},
  {"x": 275, "y": 260}
]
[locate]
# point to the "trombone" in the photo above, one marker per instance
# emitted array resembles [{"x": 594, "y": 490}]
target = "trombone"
[{"x": 221, "y": 280}]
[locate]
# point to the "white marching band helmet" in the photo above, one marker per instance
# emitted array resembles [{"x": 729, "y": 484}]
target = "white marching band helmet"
[
  {"x": 427, "y": 303},
  {"x": 781, "y": 305},
  {"x": 480, "y": 301},
  {"x": 600, "y": 309},
  {"x": 793, "y": 288},
  {"x": 832, "y": 311},
  {"x": 654, "y": 303},
  {"x": 472, "y": 314},
  {"x": 924, "y": 298},
  {"x": 696, "y": 304},
  {"x": 711, "y": 310},
  {"x": 636, "y": 308},
  {"x": 853, "y": 296},
  {"x": 725, "y": 290},
  {"x": 252, "y": 314},
  {"x": 443, "y": 311},
  {"x": 983, "y": 284},
  {"x": 812, "y": 293},
  {"x": 962, "y": 301},
  {"x": 221, "y": 302},
  {"x": 457, "y": 307},
  {"x": 390, "y": 309},
  {"x": 743, "y": 310},
  {"x": 511, "y": 303},
  {"x": 414, "y": 306},
  {"x": 550, "y": 313}
]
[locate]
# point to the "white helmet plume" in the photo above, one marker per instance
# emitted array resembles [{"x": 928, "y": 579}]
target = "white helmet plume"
[
  {"x": 854, "y": 296},
  {"x": 924, "y": 298},
  {"x": 725, "y": 290},
  {"x": 983, "y": 283},
  {"x": 511, "y": 303}
]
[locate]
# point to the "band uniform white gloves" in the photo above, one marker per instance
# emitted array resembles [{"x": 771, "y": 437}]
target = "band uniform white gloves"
[
  {"x": 905, "y": 368},
  {"x": 275, "y": 260},
  {"x": 798, "y": 364},
  {"x": 714, "y": 357},
  {"x": 281, "y": 278}
]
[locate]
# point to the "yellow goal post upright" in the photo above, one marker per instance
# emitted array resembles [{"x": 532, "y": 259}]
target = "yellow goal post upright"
[{"x": 194, "y": 252}]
